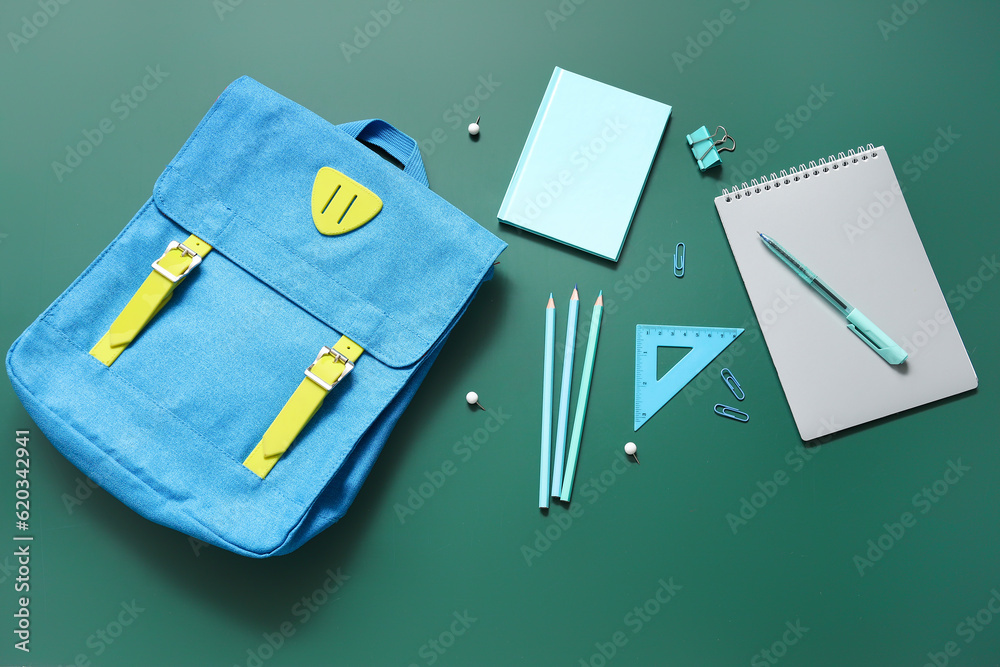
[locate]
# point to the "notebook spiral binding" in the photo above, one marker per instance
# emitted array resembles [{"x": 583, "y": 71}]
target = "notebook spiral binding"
[{"x": 803, "y": 172}]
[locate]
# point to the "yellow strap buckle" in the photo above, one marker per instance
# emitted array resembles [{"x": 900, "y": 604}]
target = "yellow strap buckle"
[
  {"x": 186, "y": 252},
  {"x": 324, "y": 351}
]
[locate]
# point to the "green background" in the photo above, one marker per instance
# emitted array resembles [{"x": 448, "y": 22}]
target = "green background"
[{"x": 462, "y": 550}]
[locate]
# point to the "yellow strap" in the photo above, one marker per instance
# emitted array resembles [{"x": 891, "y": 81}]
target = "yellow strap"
[
  {"x": 327, "y": 370},
  {"x": 154, "y": 292}
]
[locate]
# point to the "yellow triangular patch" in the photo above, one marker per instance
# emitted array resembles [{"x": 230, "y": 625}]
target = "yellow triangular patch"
[{"x": 341, "y": 204}]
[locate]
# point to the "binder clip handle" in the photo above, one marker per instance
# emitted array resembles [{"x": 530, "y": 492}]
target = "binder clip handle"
[
  {"x": 706, "y": 148},
  {"x": 716, "y": 144}
]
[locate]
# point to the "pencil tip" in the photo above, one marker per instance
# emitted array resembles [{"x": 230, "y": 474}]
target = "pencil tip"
[
  {"x": 575, "y": 296},
  {"x": 600, "y": 299},
  {"x": 551, "y": 303}
]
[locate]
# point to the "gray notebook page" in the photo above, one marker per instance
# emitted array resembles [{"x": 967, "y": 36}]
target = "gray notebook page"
[{"x": 851, "y": 226}]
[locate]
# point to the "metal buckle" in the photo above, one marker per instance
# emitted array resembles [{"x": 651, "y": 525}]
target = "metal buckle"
[
  {"x": 348, "y": 367},
  {"x": 195, "y": 261}
]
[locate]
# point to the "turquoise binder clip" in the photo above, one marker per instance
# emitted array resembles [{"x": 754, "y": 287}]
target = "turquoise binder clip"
[{"x": 705, "y": 149}]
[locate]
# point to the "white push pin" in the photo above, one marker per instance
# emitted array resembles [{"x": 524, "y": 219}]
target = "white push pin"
[
  {"x": 474, "y": 127},
  {"x": 472, "y": 398},
  {"x": 630, "y": 450}
]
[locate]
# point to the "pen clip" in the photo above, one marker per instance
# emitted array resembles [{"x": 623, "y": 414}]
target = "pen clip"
[{"x": 875, "y": 338}]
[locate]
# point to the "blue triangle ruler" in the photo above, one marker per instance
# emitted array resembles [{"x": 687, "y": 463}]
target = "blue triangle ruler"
[{"x": 651, "y": 394}]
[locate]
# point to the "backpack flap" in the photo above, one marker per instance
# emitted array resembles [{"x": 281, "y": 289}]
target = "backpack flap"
[{"x": 243, "y": 182}]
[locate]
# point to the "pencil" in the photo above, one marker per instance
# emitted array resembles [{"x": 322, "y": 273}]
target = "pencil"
[
  {"x": 550, "y": 345},
  {"x": 567, "y": 381},
  {"x": 581, "y": 402}
]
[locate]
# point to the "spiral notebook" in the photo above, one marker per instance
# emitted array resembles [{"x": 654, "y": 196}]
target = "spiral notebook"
[{"x": 845, "y": 218}]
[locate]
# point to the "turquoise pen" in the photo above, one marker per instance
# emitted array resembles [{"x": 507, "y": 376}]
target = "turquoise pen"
[{"x": 865, "y": 329}]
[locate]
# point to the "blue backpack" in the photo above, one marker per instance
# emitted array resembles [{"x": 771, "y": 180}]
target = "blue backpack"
[{"x": 232, "y": 364}]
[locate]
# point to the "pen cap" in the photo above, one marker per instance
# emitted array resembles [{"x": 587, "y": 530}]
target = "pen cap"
[{"x": 875, "y": 337}]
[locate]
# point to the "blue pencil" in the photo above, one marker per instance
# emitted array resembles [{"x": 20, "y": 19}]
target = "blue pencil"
[
  {"x": 550, "y": 345},
  {"x": 582, "y": 398},
  {"x": 567, "y": 381}
]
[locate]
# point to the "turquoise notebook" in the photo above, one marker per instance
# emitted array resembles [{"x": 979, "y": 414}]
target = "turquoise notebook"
[{"x": 584, "y": 164}]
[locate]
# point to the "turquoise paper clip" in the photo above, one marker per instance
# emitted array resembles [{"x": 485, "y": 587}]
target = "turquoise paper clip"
[
  {"x": 679, "y": 252},
  {"x": 733, "y": 384},
  {"x": 732, "y": 413},
  {"x": 705, "y": 149}
]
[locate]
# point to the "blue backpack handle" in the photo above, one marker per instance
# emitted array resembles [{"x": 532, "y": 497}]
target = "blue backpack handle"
[{"x": 397, "y": 144}]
